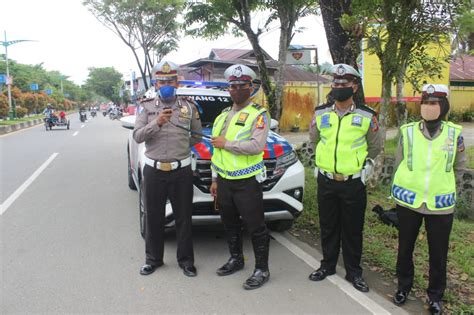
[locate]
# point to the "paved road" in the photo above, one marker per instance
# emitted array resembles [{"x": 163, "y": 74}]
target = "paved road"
[{"x": 70, "y": 241}]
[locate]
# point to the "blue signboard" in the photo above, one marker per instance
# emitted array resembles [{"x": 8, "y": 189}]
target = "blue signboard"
[
  {"x": 67, "y": 94},
  {"x": 48, "y": 91},
  {"x": 34, "y": 87},
  {"x": 3, "y": 78}
]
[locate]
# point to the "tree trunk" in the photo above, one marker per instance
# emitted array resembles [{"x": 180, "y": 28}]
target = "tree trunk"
[
  {"x": 401, "y": 108},
  {"x": 344, "y": 47},
  {"x": 283, "y": 49}
]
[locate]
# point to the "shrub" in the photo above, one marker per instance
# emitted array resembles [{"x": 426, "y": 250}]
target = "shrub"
[{"x": 21, "y": 111}]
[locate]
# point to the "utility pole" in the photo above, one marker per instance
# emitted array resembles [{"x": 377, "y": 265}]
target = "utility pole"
[{"x": 11, "y": 107}]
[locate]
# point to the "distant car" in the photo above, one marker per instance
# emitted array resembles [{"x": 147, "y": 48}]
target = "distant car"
[{"x": 282, "y": 190}]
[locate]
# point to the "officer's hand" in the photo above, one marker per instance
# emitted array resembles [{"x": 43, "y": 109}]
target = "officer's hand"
[
  {"x": 164, "y": 116},
  {"x": 218, "y": 142},
  {"x": 213, "y": 189}
]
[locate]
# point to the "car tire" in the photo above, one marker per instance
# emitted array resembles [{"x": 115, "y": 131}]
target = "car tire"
[
  {"x": 142, "y": 212},
  {"x": 68, "y": 125},
  {"x": 280, "y": 226},
  {"x": 131, "y": 183}
]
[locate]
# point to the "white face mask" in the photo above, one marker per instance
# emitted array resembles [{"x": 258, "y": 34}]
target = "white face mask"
[{"x": 430, "y": 112}]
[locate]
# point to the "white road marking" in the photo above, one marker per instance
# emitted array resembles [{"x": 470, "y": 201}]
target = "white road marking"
[
  {"x": 341, "y": 283},
  {"x": 82, "y": 126},
  {"x": 4, "y": 206},
  {"x": 75, "y": 134}
]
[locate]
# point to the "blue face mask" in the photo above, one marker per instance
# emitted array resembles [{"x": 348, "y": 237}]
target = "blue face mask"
[{"x": 167, "y": 91}]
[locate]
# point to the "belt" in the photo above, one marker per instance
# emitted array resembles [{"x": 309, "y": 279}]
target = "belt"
[
  {"x": 339, "y": 177},
  {"x": 167, "y": 166}
]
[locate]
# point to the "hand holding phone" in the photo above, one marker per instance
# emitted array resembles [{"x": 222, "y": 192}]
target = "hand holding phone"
[{"x": 164, "y": 116}]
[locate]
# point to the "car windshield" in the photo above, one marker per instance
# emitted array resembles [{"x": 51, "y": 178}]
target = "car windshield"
[{"x": 210, "y": 107}]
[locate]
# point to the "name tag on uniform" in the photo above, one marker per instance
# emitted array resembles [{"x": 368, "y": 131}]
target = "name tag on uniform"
[
  {"x": 356, "y": 121},
  {"x": 325, "y": 121},
  {"x": 242, "y": 119}
]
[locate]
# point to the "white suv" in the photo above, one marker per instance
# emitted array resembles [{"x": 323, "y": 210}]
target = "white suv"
[{"x": 282, "y": 190}]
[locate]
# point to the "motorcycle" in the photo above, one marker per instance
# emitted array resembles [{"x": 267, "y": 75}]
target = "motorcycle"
[
  {"x": 104, "y": 113},
  {"x": 93, "y": 113},
  {"x": 82, "y": 116},
  {"x": 115, "y": 114}
]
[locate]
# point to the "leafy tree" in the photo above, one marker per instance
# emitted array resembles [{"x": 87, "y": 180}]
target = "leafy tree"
[
  {"x": 214, "y": 18},
  {"x": 148, "y": 25},
  {"x": 3, "y": 105},
  {"x": 287, "y": 12},
  {"x": 105, "y": 82}
]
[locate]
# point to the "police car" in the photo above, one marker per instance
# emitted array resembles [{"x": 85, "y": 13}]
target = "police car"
[{"x": 282, "y": 190}]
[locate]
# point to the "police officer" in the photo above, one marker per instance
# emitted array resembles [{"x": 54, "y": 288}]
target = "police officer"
[
  {"x": 239, "y": 136},
  {"x": 167, "y": 173},
  {"x": 424, "y": 188},
  {"x": 346, "y": 138}
]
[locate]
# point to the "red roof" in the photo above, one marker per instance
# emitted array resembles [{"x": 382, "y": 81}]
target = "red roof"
[
  {"x": 228, "y": 54},
  {"x": 462, "y": 69}
]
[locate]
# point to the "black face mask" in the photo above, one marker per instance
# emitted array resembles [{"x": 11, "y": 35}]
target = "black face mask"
[{"x": 342, "y": 94}]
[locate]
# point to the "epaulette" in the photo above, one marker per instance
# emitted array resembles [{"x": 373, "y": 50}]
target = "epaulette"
[
  {"x": 256, "y": 106},
  {"x": 367, "y": 109},
  {"x": 322, "y": 106},
  {"x": 145, "y": 100}
]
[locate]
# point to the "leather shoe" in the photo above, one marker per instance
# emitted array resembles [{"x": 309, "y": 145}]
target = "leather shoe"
[
  {"x": 232, "y": 265},
  {"x": 400, "y": 297},
  {"x": 320, "y": 274},
  {"x": 358, "y": 283},
  {"x": 147, "y": 269},
  {"x": 435, "y": 308},
  {"x": 189, "y": 271},
  {"x": 257, "y": 279}
]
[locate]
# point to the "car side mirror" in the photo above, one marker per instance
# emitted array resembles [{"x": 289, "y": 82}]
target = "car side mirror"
[
  {"x": 128, "y": 121},
  {"x": 274, "y": 125}
]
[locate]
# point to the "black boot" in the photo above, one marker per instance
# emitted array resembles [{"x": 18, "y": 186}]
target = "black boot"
[
  {"x": 236, "y": 260},
  {"x": 261, "y": 274}
]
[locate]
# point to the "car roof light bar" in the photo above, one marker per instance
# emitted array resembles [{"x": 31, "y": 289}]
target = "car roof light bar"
[{"x": 204, "y": 83}]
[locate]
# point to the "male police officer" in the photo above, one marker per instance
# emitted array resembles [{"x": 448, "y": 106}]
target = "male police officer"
[
  {"x": 167, "y": 173},
  {"x": 345, "y": 135},
  {"x": 239, "y": 136}
]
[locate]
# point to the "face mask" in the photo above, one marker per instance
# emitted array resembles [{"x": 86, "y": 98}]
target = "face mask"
[
  {"x": 167, "y": 91},
  {"x": 430, "y": 112},
  {"x": 240, "y": 96},
  {"x": 342, "y": 94}
]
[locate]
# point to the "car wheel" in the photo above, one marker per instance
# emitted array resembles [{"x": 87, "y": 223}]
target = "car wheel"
[
  {"x": 131, "y": 183},
  {"x": 68, "y": 125},
  {"x": 141, "y": 207},
  {"x": 280, "y": 226}
]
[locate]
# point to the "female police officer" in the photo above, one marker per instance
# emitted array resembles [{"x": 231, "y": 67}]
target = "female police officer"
[
  {"x": 424, "y": 187},
  {"x": 167, "y": 173},
  {"x": 239, "y": 136},
  {"x": 344, "y": 135}
]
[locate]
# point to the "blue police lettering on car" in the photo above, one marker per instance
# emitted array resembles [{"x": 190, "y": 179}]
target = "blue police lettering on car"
[
  {"x": 356, "y": 121},
  {"x": 325, "y": 121}
]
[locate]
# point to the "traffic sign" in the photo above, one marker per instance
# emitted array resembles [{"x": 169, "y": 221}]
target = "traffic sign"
[
  {"x": 34, "y": 87},
  {"x": 3, "y": 78},
  {"x": 48, "y": 91}
]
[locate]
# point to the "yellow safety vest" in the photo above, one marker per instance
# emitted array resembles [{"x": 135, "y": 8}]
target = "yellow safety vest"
[
  {"x": 342, "y": 147},
  {"x": 227, "y": 164},
  {"x": 425, "y": 175}
]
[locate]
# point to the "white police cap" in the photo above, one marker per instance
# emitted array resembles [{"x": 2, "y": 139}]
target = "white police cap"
[
  {"x": 165, "y": 70},
  {"x": 343, "y": 73},
  {"x": 239, "y": 74},
  {"x": 433, "y": 92}
]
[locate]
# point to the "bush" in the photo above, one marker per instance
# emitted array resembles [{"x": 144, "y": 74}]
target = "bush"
[{"x": 21, "y": 111}]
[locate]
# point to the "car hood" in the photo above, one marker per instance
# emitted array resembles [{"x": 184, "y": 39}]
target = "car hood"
[{"x": 276, "y": 146}]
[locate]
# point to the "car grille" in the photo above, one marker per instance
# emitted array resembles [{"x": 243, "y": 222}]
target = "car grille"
[{"x": 203, "y": 174}]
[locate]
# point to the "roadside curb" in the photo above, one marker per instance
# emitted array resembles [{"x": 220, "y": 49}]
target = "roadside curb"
[{"x": 10, "y": 128}]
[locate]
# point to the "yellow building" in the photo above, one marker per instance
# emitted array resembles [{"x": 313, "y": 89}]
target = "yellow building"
[{"x": 461, "y": 77}]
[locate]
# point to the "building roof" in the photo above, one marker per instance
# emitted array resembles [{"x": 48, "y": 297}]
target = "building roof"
[
  {"x": 233, "y": 54},
  {"x": 291, "y": 73},
  {"x": 462, "y": 68}
]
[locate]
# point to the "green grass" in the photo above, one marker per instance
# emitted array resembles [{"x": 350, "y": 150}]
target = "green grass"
[
  {"x": 470, "y": 157},
  {"x": 19, "y": 120},
  {"x": 381, "y": 241},
  {"x": 390, "y": 147}
]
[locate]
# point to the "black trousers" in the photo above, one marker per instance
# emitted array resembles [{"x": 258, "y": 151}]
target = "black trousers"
[
  {"x": 241, "y": 198},
  {"x": 341, "y": 218},
  {"x": 438, "y": 229},
  {"x": 176, "y": 185}
]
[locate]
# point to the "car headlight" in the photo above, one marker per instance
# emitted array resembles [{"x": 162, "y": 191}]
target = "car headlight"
[{"x": 285, "y": 161}]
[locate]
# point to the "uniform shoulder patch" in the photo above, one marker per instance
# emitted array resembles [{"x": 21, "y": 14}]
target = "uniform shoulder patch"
[
  {"x": 367, "y": 109},
  {"x": 261, "y": 121},
  {"x": 460, "y": 144}
]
